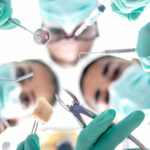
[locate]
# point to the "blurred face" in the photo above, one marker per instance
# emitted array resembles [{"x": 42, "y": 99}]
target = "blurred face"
[
  {"x": 67, "y": 51},
  {"x": 98, "y": 79},
  {"x": 34, "y": 87},
  {"x": 65, "y": 48}
]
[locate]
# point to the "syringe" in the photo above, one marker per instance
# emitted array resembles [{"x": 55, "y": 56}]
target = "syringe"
[
  {"x": 91, "y": 19},
  {"x": 40, "y": 36}
]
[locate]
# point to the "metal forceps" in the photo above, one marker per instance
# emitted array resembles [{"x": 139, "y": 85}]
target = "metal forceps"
[{"x": 76, "y": 109}]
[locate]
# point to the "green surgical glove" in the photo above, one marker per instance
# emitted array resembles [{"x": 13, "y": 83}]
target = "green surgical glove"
[
  {"x": 143, "y": 47},
  {"x": 30, "y": 143},
  {"x": 5, "y": 14},
  {"x": 101, "y": 135},
  {"x": 130, "y": 9}
]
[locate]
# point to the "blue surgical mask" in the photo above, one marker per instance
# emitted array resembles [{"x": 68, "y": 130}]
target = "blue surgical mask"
[
  {"x": 9, "y": 93},
  {"x": 131, "y": 91},
  {"x": 66, "y": 14}
]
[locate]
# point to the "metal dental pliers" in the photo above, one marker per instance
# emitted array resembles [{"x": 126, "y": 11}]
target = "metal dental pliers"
[{"x": 76, "y": 109}]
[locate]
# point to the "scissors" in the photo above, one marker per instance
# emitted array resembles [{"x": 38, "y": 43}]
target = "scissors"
[{"x": 76, "y": 109}]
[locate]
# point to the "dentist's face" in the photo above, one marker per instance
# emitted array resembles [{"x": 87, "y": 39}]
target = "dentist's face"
[
  {"x": 98, "y": 79},
  {"x": 36, "y": 86}
]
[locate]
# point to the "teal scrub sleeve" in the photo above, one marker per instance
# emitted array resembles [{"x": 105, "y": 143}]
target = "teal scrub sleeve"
[
  {"x": 143, "y": 47},
  {"x": 5, "y": 14},
  {"x": 129, "y": 9},
  {"x": 30, "y": 143},
  {"x": 100, "y": 134}
]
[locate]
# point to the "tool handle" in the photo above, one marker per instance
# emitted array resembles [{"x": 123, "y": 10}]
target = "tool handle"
[
  {"x": 119, "y": 51},
  {"x": 17, "y": 24}
]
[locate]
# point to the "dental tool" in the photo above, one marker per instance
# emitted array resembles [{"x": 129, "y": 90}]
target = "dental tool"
[
  {"x": 91, "y": 19},
  {"x": 92, "y": 115},
  {"x": 19, "y": 25},
  {"x": 40, "y": 36},
  {"x": 119, "y": 51},
  {"x": 19, "y": 78},
  {"x": 76, "y": 109}
]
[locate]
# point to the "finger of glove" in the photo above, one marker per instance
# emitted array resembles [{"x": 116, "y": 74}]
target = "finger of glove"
[
  {"x": 32, "y": 142},
  {"x": 20, "y": 146},
  {"x": 8, "y": 25},
  {"x": 128, "y": 9},
  {"x": 94, "y": 130},
  {"x": 5, "y": 122},
  {"x": 120, "y": 5},
  {"x": 133, "y": 16},
  {"x": 130, "y": 16},
  {"x": 5, "y": 14},
  {"x": 2, "y": 8},
  {"x": 3, "y": 125},
  {"x": 123, "y": 8},
  {"x": 115, "y": 8},
  {"x": 136, "y": 3},
  {"x": 120, "y": 131}
]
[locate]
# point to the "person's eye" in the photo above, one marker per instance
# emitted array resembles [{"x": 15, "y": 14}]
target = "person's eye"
[
  {"x": 20, "y": 72},
  {"x": 106, "y": 69},
  {"x": 56, "y": 31},
  {"x": 107, "y": 98},
  {"x": 116, "y": 73},
  {"x": 25, "y": 100},
  {"x": 97, "y": 95}
]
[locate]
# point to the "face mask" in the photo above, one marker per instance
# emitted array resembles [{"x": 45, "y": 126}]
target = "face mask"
[
  {"x": 66, "y": 14},
  {"x": 131, "y": 91},
  {"x": 9, "y": 93},
  {"x": 10, "y": 103}
]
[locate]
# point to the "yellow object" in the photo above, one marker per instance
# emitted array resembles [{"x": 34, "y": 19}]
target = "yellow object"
[
  {"x": 52, "y": 140},
  {"x": 43, "y": 111}
]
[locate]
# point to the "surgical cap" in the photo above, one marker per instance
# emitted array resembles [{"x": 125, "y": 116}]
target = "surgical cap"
[{"x": 66, "y": 13}]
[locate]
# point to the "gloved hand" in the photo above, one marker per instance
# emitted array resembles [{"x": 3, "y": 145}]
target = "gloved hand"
[
  {"x": 5, "y": 14},
  {"x": 30, "y": 143},
  {"x": 101, "y": 135},
  {"x": 130, "y": 9},
  {"x": 3, "y": 125},
  {"x": 143, "y": 47}
]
